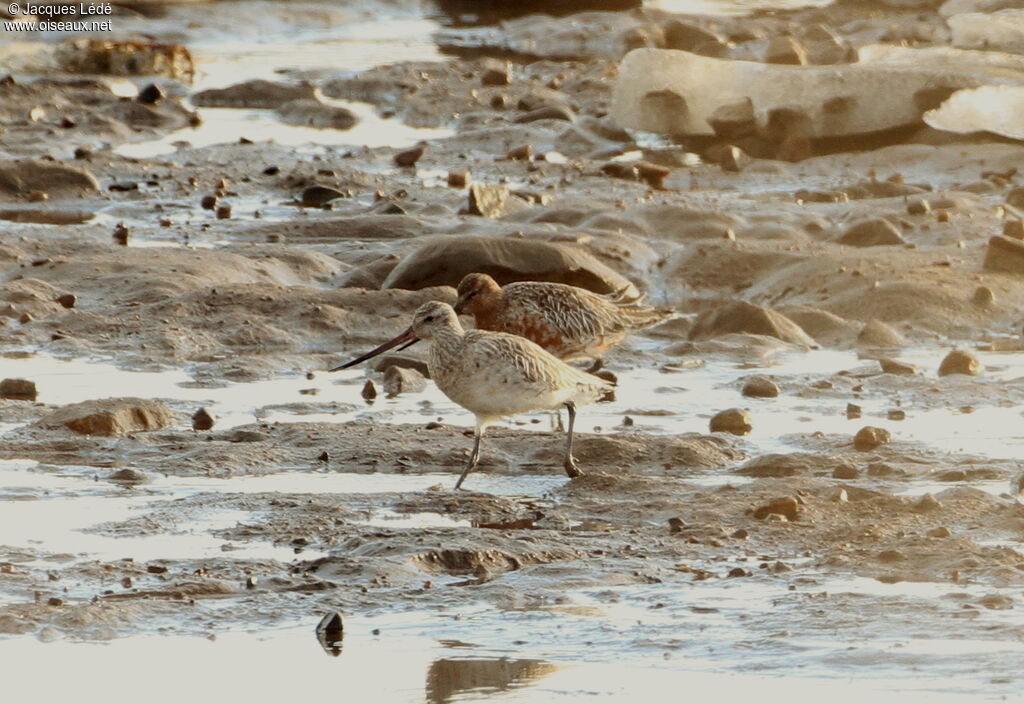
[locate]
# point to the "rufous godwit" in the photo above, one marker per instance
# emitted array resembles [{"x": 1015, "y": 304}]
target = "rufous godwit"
[
  {"x": 569, "y": 322},
  {"x": 494, "y": 375}
]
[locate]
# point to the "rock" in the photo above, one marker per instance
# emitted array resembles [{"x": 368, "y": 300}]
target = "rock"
[
  {"x": 408, "y": 158},
  {"x": 330, "y": 632},
  {"x": 548, "y": 112},
  {"x": 983, "y": 296},
  {"x": 224, "y": 212},
  {"x": 1004, "y": 254},
  {"x": 685, "y": 36},
  {"x": 386, "y": 361},
  {"x": 202, "y": 420},
  {"x": 111, "y": 417},
  {"x": 872, "y": 232},
  {"x": 853, "y": 411},
  {"x": 400, "y": 380},
  {"x": 256, "y": 93},
  {"x": 786, "y": 506},
  {"x": 776, "y": 466},
  {"x": 209, "y": 202},
  {"x": 313, "y": 113},
  {"x": 891, "y": 556},
  {"x": 927, "y": 503},
  {"x": 676, "y": 525},
  {"x": 918, "y": 206},
  {"x": 488, "y": 201},
  {"x": 760, "y": 387},
  {"x": 117, "y": 57},
  {"x": 951, "y": 475},
  {"x": 19, "y": 178},
  {"x": 785, "y": 50},
  {"x": 940, "y": 532},
  {"x": 369, "y": 391},
  {"x": 18, "y": 389},
  {"x": 869, "y": 437},
  {"x": 523, "y": 153},
  {"x": 733, "y": 420},
  {"x": 743, "y": 317},
  {"x": 734, "y": 120},
  {"x": 496, "y": 73},
  {"x": 845, "y": 471},
  {"x": 1015, "y": 197},
  {"x": 67, "y": 300},
  {"x": 894, "y": 366},
  {"x": 730, "y": 157},
  {"x": 129, "y": 476},
  {"x": 896, "y": 414},
  {"x": 458, "y": 179},
  {"x": 318, "y": 196},
  {"x": 738, "y": 572},
  {"x": 1014, "y": 229},
  {"x": 653, "y": 175},
  {"x": 877, "y": 334},
  {"x": 444, "y": 261},
  {"x": 961, "y": 362}
]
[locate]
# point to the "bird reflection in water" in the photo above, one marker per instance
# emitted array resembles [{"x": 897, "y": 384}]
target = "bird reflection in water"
[{"x": 450, "y": 677}]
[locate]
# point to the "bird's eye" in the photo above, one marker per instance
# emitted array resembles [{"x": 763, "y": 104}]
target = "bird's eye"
[{"x": 428, "y": 319}]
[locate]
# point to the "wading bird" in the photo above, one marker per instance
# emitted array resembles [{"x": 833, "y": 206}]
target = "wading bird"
[
  {"x": 494, "y": 375},
  {"x": 569, "y": 322}
]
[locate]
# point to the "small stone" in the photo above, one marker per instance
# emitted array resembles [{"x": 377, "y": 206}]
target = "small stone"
[
  {"x": 896, "y": 414},
  {"x": 869, "y": 437},
  {"x": 251, "y": 582},
  {"x": 496, "y": 73},
  {"x": 121, "y": 234},
  {"x": 961, "y": 362},
  {"x": 1004, "y": 254},
  {"x": 548, "y": 112},
  {"x": 18, "y": 389},
  {"x": 369, "y": 391},
  {"x": 845, "y": 471},
  {"x": 126, "y": 582},
  {"x": 523, "y": 153},
  {"x": 401, "y": 380},
  {"x": 739, "y": 572},
  {"x": 730, "y": 157},
  {"x": 150, "y": 95},
  {"x": 38, "y": 196},
  {"x": 918, "y": 206},
  {"x": 55, "y": 601},
  {"x": 894, "y": 366},
  {"x": 853, "y": 410},
  {"x": 330, "y": 632},
  {"x": 891, "y": 556},
  {"x": 224, "y": 212},
  {"x": 877, "y": 334},
  {"x": 785, "y": 50},
  {"x": 67, "y": 300},
  {"x": 733, "y": 420},
  {"x": 760, "y": 387},
  {"x": 927, "y": 503},
  {"x": 652, "y": 174},
  {"x": 676, "y": 525},
  {"x": 734, "y": 120},
  {"x": 628, "y": 422},
  {"x": 840, "y": 496},
  {"x": 951, "y": 475},
  {"x": 202, "y": 420},
  {"x": 458, "y": 179},
  {"x": 156, "y": 569},
  {"x": 409, "y": 157},
  {"x": 324, "y": 456},
  {"x": 129, "y": 476},
  {"x": 786, "y": 506},
  {"x": 488, "y": 201},
  {"x": 209, "y": 202},
  {"x": 940, "y": 532},
  {"x": 25, "y": 318},
  {"x": 983, "y": 296},
  {"x": 1016, "y": 197},
  {"x": 740, "y": 534}
]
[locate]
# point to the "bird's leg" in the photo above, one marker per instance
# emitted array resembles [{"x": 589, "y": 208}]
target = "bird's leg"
[
  {"x": 556, "y": 421},
  {"x": 474, "y": 457},
  {"x": 595, "y": 366},
  {"x": 570, "y": 462}
]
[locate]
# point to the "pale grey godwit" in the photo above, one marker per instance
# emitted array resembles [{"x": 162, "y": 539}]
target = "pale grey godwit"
[
  {"x": 494, "y": 375},
  {"x": 569, "y": 322}
]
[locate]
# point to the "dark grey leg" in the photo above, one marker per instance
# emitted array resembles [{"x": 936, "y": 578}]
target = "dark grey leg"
[
  {"x": 474, "y": 457},
  {"x": 570, "y": 462},
  {"x": 595, "y": 366}
]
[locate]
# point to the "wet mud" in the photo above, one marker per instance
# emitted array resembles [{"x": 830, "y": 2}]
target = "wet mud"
[{"x": 217, "y": 238}]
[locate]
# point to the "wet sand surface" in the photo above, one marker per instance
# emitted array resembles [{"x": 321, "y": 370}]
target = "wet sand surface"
[{"x": 173, "y": 242}]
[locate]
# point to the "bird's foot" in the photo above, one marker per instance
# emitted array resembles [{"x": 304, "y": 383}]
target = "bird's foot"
[{"x": 572, "y": 469}]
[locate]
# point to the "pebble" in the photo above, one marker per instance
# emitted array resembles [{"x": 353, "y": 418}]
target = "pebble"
[
  {"x": 224, "y": 212},
  {"x": 940, "y": 532},
  {"x": 918, "y": 206},
  {"x": 202, "y": 420},
  {"x": 67, "y": 300},
  {"x": 402, "y": 380},
  {"x": 787, "y": 507},
  {"x": 873, "y": 232},
  {"x": 853, "y": 410},
  {"x": 653, "y": 175},
  {"x": 129, "y": 476},
  {"x": 488, "y": 201},
  {"x": 324, "y": 456},
  {"x": 369, "y": 391},
  {"x": 739, "y": 572},
  {"x": 896, "y": 414},
  {"x": 891, "y": 556},
  {"x": 156, "y": 569},
  {"x": 733, "y": 420},
  {"x": 840, "y": 496},
  {"x": 1014, "y": 229},
  {"x": 785, "y": 50},
  {"x": 676, "y": 525},
  {"x": 18, "y": 389},
  {"x": 1004, "y": 254},
  {"x": 983, "y": 296},
  {"x": 760, "y": 387},
  {"x": 319, "y": 196},
  {"x": 330, "y": 632},
  {"x": 409, "y": 157},
  {"x": 894, "y": 366},
  {"x": 121, "y": 234},
  {"x": 961, "y": 362},
  {"x": 845, "y": 471},
  {"x": 522, "y": 153},
  {"x": 548, "y": 112},
  {"x": 927, "y": 503},
  {"x": 209, "y": 202},
  {"x": 869, "y": 437},
  {"x": 458, "y": 179}
]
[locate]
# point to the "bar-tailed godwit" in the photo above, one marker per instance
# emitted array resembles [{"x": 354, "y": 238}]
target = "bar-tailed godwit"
[
  {"x": 494, "y": 375},
  {"x": 569, "y": 322}
]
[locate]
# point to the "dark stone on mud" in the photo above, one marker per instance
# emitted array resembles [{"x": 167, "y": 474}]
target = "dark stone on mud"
[
  {"x": 408, "y": 158},
  {"x": 1005, "y": 254},
  {"x": 733, "y": 420},
  {"x": 872, "y": 232},
  {"x": 254, "y": 94},
  {"x": 891, "y": 556},
  {"x": 869, "y": 437},
  {"x": 785, "y": 506},
  {"x": 496, "y": 73},
  {"x": 19, "y": 178},
  {"x": 67, "y": 300},
  {"x": 488, "y": 201},
  {"x": 224, "y": 212},
  {"x": 444, "y": 261},
  {"x": 730, "y": 157},
  {"x": 523, "y": 153},
  {"x": 369, "y": 391},
  {"x": 686, "y": 36},
  {"x": 676, "y": 525},
  {"x": 110, "y": 417},
  {"x": 400, "y": 380},
  {"x": 18, "y": 389},
  {"x": 548, "y": 112},
  {"x": 150, "y": 95},
  {"x": 318, "y": 196},
  {"x": 776, "y": 466},
  {"x": 121, "y": 234},
  {"x": 739, "y": 572},
  {"x": 845, "y": 471},
  {"x": 209, "y": 202},
  {"x": 129, "y": 476},
  {"x": 961, "y": 362},
  {"x": 156, "y": 569},
  {"x": 330, "y": 631},
  {"x": 458, "y": 179},
  {"x": 313, "y": 113},
  {"x": 743, "y": 317},
  {"x": 760, "y": 387},
  {"x": 202, "y": 420},
  {"x": 1014, "y": 229}
]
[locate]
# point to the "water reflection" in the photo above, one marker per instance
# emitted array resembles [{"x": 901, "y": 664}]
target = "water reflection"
[
  {"x": 329, "y": 632},
  {"x": 448, "y": 678}
]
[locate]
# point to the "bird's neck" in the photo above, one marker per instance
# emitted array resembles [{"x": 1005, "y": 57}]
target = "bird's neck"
[{"x": 444, "y": 345}]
